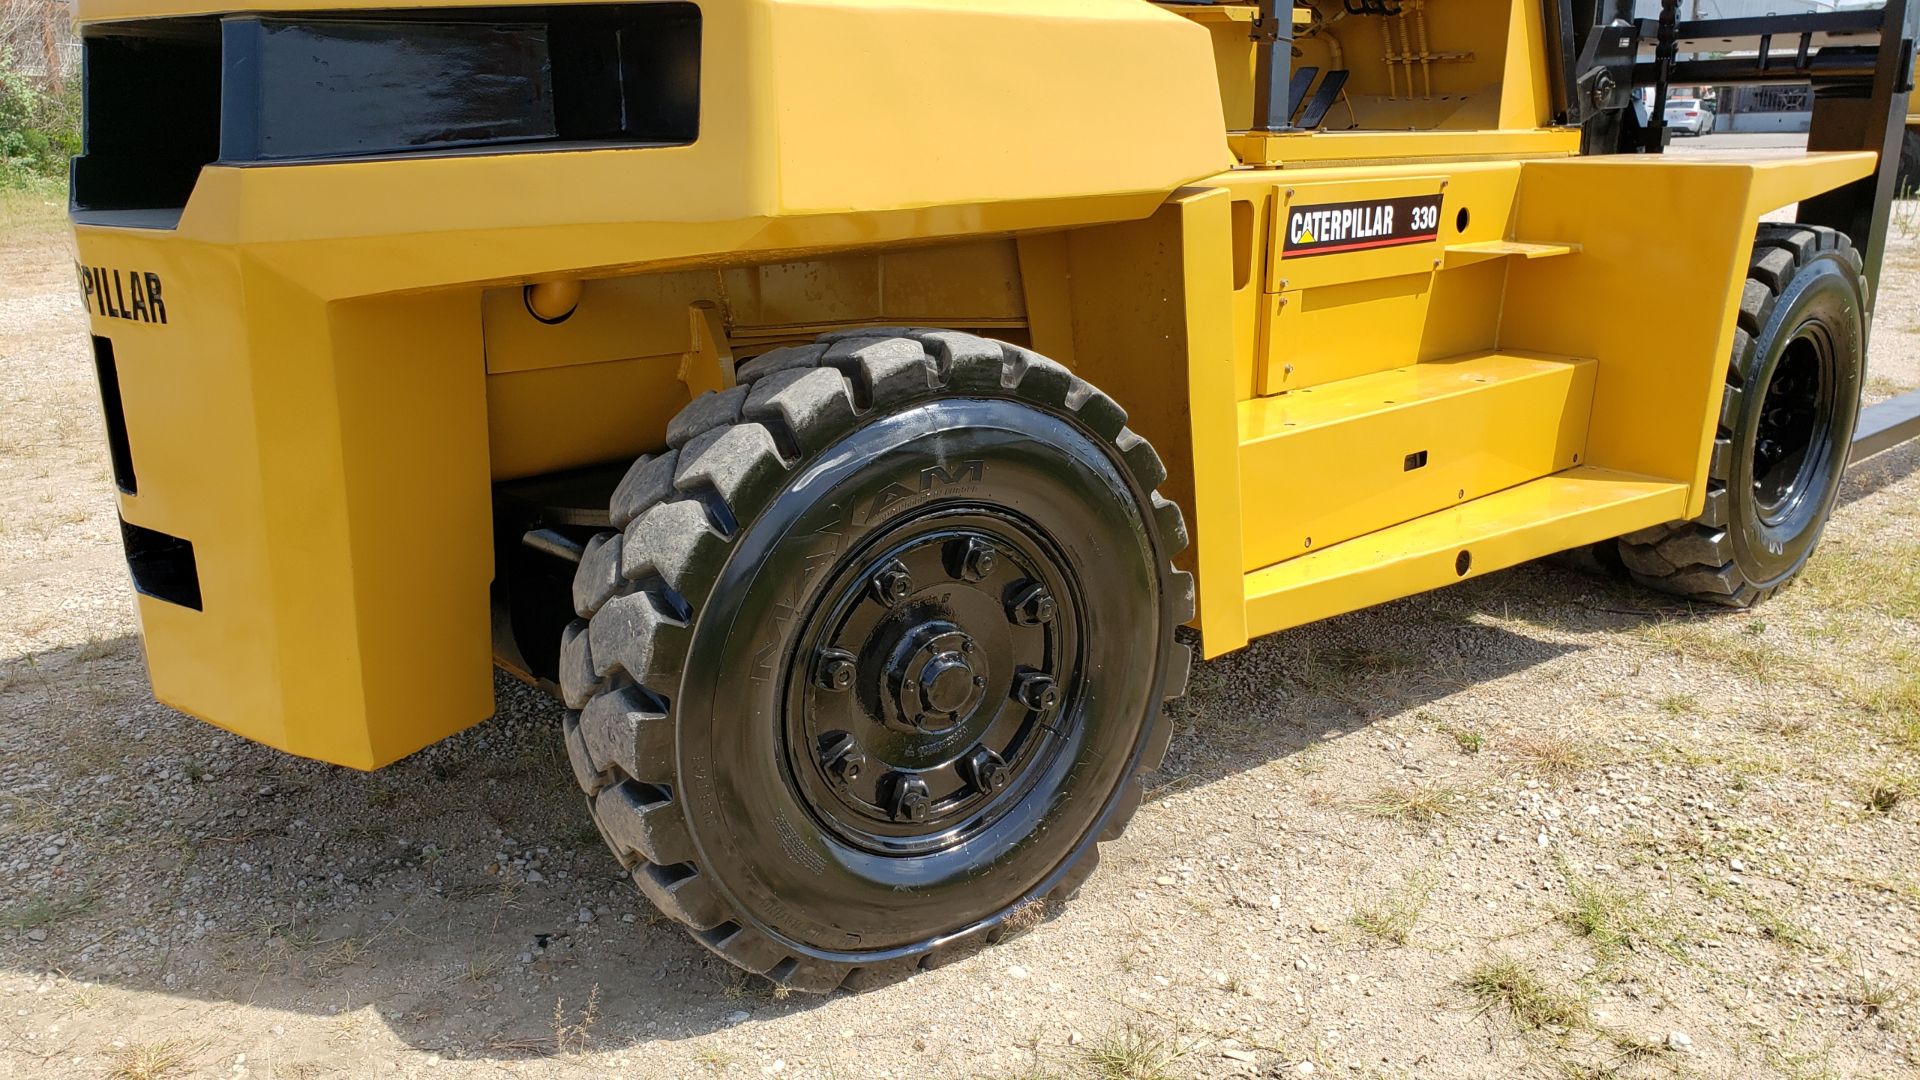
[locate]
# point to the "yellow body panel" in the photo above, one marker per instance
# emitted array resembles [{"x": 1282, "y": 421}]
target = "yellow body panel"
[
  {"x": 350, "y": 362},
  {"x": 1660, "y": 384},
  {"x": 1321, "y": 466},
  {"x": 1580, "y": 506}
]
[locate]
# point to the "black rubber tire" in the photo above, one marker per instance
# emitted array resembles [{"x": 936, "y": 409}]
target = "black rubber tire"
[
  {"x": 672, "y": 719},
  {"x": 1907, "y": 182},
  {"x": 1804, "y": 280}
]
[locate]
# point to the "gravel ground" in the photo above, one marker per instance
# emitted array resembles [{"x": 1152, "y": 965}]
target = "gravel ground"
[{"x": 1541, "y": 824}]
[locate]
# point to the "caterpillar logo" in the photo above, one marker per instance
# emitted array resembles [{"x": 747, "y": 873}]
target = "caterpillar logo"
[
  {"x": 134, "y": 295},
  {"x": 1362, "y": 226}
]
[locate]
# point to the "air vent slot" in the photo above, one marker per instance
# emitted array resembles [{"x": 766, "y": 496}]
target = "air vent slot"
[
  {"x": 163, "y": 566},
  {"x": 116, "y": 416}
]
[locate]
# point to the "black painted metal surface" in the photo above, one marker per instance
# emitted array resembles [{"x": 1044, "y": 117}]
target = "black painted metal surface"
[{"x": 339, "y": 87}]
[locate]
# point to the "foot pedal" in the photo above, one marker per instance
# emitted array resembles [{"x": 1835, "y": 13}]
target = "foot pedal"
[
  {"x": 1330, "y": 88},
  {"x": 1297, "y": 90}
]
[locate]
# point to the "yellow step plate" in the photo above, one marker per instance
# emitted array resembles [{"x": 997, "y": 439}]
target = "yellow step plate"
[
  {"x": 1329, "y": 463},
  {"x": 1555, "y": 513}
]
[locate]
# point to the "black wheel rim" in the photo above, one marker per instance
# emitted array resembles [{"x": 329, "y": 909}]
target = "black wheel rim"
[
  {"x": 934, "y": 685},
  {"x": 1795, "y": 424}
]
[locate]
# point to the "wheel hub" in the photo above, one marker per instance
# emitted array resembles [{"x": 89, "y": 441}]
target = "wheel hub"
[
  {"x": 1793, "y": 420},
  {"x": 932, "y": 679}
]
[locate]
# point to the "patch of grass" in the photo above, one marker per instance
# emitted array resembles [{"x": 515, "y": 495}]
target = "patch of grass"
[
  {"x": 1772, "y": 924},
  {"x": 1677, "y": 705},
  {"x": 1468, "y": 740},
  {"x": 1855, "y": 577},
  {"x": 482, "y": 968},
  {"x": 344, "y": 953},
  {"x": 1709, "y": 642},
  {"x": 1025, "y": 917},
  {"x": 31, "y": 206},
  {"x": 1338, "y": 672},
  {"x": 1883, "y": 792},
  {"x": 1393, "y": 918},
  {"x": 571, "y": 1033},
  {"x": 1416, "y": 803},
  {"x": 1134, "y": 1053},
  {"x": 150, "y": 1061},
  {"x": 1777, "y": 927},
  {"x": 1630, "y": 1050},
  {"x": 43, "y": 911},
  {"x": 1513, "y": 988},
  {"x": 83, "y": 997},
  {"x": 25, "y": 815},
  {"x": 1612, "y": 920},
  {"x": 21, "y": 672},
  {"x": 744, "y": 985},
  {"x": 1557, "y": 757},
  {"x": 1897, "y": 703},
  {"x": 1880, "y": 999}
]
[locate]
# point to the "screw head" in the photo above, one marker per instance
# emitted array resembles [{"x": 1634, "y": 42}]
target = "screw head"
[
  {"x": 1036, "y": 690},
  {"x": 1032, "y": 605},
  {"x": 910, "y": 800},
  {"x": 893, "y": 584},
  {"x": 988, "y": 772},
  {"x": 972, "y": 559},
  {"x": 836, "y": 670},
  {"x": 842, "y": 758}
]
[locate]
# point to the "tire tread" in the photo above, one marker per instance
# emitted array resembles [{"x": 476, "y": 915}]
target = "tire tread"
[
  {"x": 639, "y": 588},
  {"x": 1695, "y": 559}
]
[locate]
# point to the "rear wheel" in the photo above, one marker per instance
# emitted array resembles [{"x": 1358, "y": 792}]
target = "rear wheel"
[
  {"x": 880, "y": 653},
  {"x": 1786, "y": 427}
]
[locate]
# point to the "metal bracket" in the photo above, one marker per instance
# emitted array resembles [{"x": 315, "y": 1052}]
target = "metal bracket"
[
  {"x": 707, "y": 365},
  {"x": 1273, "y": 108}
]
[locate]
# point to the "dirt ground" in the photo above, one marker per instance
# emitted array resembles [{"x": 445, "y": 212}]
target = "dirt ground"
[{"x": 1542, "y": 824}]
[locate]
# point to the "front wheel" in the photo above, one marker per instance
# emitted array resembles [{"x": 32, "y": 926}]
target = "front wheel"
[
  {"x": 1786, "y": 427},
  {"x": 880, "y": 653}
]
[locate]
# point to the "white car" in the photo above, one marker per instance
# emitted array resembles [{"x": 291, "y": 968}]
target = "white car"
[{"x": 1690, "y": 116}]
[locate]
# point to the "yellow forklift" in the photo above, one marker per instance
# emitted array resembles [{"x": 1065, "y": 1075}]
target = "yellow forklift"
[{"x": 841, "y": 404}]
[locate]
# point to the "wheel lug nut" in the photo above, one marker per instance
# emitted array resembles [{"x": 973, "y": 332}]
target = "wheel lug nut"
[
  {"x": 971, "y": 559},
  {"x": 1036, "y": 691},
  {"x": 910, "y": 800},
  {"x": 1032, "y": 605},
  {"x": 892, "y": 585},
  {"x": 986, "y": 771},
  {"x": 842, "y": 758},
  {"x": 835, "y": 670}
]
